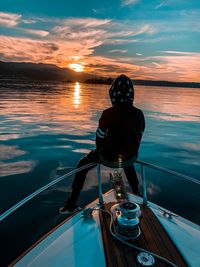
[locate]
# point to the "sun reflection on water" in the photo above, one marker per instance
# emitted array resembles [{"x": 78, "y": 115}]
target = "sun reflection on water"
[{"x": 77, "y": 98}]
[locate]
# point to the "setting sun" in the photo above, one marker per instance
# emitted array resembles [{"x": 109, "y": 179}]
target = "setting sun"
[{"x": 76, "y": 67}]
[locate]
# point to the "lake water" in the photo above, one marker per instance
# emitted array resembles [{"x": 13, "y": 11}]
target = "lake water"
[{"x": 46, "y": 128}]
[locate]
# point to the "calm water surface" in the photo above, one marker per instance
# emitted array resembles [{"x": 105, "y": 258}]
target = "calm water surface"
[{"x": 46, "y": 128}]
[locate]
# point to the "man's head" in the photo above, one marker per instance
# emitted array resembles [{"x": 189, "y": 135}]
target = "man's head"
[{"x": 121, "y": 90}]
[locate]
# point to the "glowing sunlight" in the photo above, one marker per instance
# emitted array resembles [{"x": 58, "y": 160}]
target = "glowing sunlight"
[
  {"x": 76, "y": 67},
  {"x": 76, "y": 99}
]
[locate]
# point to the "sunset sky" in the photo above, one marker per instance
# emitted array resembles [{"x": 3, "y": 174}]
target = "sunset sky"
[{"x": 144, "y": 39}]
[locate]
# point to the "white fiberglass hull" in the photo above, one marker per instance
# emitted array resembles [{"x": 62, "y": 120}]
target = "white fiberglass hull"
[{"x": 78, "y": 242}]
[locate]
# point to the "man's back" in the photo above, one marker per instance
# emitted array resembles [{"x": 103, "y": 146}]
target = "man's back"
[{"x": 123, "y": 125}]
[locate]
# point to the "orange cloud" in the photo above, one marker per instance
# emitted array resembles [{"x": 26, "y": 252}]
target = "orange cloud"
[
  {"x": 66, "y": 38},
  {"x": 110, "y": 66},
  {"x": 179, "y": 66},
  {"x": 182, "y": 67},
  {"x": 25, "y": 49},
  {"x": 74, "y": 41}
]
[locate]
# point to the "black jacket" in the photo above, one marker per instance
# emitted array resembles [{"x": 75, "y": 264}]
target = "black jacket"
[{"x": 120, "y": 131}]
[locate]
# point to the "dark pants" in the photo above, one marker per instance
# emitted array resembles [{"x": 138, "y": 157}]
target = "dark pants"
[{"x": 80, "y": 176}]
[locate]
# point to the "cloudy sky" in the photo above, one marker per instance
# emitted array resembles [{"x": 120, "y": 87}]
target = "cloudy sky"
[{"x": 144, "y": 39}]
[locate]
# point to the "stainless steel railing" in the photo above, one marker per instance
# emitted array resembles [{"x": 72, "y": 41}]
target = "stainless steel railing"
[
  {"x": 144, "y": 185},
  {"x": 42, "y": 189},
  {"x": 155, "y": 167},
  {"x": 91, "y": 165}
]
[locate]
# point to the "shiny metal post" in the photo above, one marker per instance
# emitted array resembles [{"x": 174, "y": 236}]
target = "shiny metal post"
[
  {"x": 144, "y": 185},
  {"x": 100, "y": 185}
]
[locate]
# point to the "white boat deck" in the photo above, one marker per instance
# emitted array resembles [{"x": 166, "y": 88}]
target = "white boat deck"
[{"x": 78, "y": 242}]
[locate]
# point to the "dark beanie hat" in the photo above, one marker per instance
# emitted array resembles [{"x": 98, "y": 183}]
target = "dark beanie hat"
[{"x": 122, "y": 90}]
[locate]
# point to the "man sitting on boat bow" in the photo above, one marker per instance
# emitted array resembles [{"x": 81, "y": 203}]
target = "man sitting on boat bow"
[{"x": 118, "y": 139}]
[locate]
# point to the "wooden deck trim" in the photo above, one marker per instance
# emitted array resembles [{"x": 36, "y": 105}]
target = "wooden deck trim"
[{"x": 153, "y": 238}]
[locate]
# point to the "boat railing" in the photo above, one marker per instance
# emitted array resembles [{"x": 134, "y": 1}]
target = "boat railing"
[
  {"x": 42, "y": 189},
  {"x": 143, "y": 164}
]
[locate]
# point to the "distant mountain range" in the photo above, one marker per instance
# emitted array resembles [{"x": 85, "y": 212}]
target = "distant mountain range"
[
  {"x": 44, "y": 72},
  {"x": 50, "y": 72}
]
